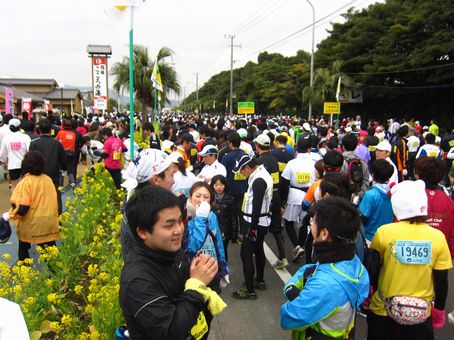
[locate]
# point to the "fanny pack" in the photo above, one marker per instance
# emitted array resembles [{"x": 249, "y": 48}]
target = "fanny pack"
[{"x": 407, "y": 310}]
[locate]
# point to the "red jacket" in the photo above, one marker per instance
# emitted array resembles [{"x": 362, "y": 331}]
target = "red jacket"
[{"x": 440, "y": 213}]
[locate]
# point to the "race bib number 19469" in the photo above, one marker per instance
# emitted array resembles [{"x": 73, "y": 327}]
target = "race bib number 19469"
[{"x": 414, "y": 252}]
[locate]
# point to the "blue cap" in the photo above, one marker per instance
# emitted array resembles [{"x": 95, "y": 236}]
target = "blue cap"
[{"x": 245, "y": 159}]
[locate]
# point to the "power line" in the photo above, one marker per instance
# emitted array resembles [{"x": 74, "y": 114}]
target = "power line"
[
  {"x": 254, "y": 22},
  {"x": 306, "y": 27},
  {"x": 251, "y": 17}
]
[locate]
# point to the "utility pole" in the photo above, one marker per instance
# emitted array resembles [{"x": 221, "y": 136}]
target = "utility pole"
[
  {"x": 231, "y": 37},
  {"x": 312, "y": 56}
]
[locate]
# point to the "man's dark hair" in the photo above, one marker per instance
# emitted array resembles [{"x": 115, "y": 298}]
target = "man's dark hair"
[
  {"x": 186, "y": 137},
  {"x": 147, "y": 126},
  {"x": 333, "y": 160},
  {"x": 339, "y": 217},
  {"x": 402, "y": 131},
  {"x": 33, "y": 163},
  {"x": 142, "y": 209},
  {"x": 303, "y": 144},
  {"x": 44, "y": 126},
  {"x": 281, "y": 139},
  {"x": 430, "y": 169},
  {"x": 332, "y": 143},
  {"x": 350, "y": 142},
  {"x": 272, "y": 138},
  {"x": 327, "y": 187},
  {"x": 235, "y": 139},
  {"x": 382, "y": 170},
  {"x": 105, "y": 132},
  {"x": 430, "y": 138}
]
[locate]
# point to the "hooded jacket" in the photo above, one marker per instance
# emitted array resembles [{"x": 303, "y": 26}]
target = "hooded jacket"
[
  {"x": 376, "y": 206},
  {"x": 328, "y": 299},
  {"x": 152, "y": 296}
]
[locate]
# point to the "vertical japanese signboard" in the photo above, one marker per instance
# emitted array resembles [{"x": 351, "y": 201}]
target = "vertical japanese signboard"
[
  {"x": 100, "y": 82},
  {"x": 27, "y": 106},
  {"x": 9, "y": 100}
]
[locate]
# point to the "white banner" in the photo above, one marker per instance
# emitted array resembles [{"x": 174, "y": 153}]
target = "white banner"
[{"x": 100, "y": 82}]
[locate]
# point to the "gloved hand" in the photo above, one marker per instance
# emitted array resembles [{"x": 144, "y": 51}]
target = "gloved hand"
[
  {"x": 438, "y": 318},
  {"x": 225, "y": 280},
  {"x": 404, "y": 172},
  {"x": 203, "y": 209},
  {"x": 291, "y": 292},
  {"x": 215, "y": 302},
  {"x": 5, "y": 216},
  {"x": 251, "y": 234}
]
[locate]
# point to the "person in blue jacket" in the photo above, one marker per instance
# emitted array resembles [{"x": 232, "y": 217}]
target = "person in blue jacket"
[
  {"x": 323, "y": 297},
  {"x": 204, "y": 234}
]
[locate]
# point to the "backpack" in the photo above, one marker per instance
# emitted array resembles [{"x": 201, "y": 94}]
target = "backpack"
[{"x": 355, "y": 171}]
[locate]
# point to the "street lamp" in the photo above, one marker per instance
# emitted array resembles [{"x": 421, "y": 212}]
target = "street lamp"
[{"x": 312, "y": 55}]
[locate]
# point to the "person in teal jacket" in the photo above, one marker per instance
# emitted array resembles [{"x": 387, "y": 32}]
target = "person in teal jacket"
[
  {"x": 323, "y": 297},
  {"x": 204, "y": 234}
]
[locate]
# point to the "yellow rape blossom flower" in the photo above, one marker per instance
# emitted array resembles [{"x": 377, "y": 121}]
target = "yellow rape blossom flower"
[
  {"x": 92, "y": 269},
  {"x": 55, "y": 327},
  {"x": 52, "y": 298},
  {"x": 78, "y": 289},
  {"x": 6, "y": 256},
  {"x": 66, "y": 320}
]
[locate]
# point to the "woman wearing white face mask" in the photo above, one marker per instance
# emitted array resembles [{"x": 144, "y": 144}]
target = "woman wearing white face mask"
[{"x": 204, "y": 234}]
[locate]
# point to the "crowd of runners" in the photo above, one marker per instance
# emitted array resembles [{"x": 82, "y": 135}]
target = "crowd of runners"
[{"x": 367, "y": 205}]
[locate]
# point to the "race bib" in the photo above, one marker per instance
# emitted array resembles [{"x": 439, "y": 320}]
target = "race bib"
[
  {"x": 275, "y": 177},
  {"x": 209, "y": 248},
  {"x": 414, "y": 252},
  {"x": 200, "y": 328},
  {"x": 116, "y": 156},
  {"x": 193, "y": 152},
  {"x": 239, "y": 176},
  {"x": 303, "y": 177},
  {"x": 282, "y": 166},
  {"x": 15, "y": 146}
]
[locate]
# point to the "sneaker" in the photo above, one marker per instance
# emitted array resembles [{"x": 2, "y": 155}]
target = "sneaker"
[
  {"x": 280, "y": 264},
  {"x": 451, "y": 318},
  {"x": 297, "y": 253},
  {"x": 260, "y": 285},
  {"x": 244, "y": 294}
]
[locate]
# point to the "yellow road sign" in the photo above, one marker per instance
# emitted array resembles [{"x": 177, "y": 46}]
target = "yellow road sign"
[
  {"x": 246, "y": 107},
  {"x": 331, "y": 108}
]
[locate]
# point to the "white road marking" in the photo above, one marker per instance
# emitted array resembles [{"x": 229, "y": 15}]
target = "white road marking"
[{"x": 283, "y": 273}]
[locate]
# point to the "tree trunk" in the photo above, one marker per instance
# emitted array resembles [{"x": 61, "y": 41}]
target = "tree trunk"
[{"x": 144, "y": 112}]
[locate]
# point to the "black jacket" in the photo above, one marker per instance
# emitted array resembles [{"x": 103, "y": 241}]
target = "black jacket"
[
  {"x": 53, "y": 153},
  {"x": 223, "y": 209},
  {"x": 152, "y": 295}
]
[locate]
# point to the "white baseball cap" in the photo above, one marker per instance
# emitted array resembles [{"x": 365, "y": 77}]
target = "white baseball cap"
[
  {"x": 14, "y": 122},
  {"x": 409, "y": 199},
  {"x": 263, "y": 140},
  {"x": 208, "y": 150},
  {"x": 383, "y": 146}
]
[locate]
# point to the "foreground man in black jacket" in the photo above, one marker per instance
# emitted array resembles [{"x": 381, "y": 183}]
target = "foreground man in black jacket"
[{"x": 162, "y": 295}]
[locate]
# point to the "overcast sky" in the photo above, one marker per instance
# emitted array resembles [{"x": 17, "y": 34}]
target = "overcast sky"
[{"x": 48, "y": 38}]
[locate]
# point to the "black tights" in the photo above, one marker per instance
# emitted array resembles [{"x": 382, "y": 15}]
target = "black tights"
[
  {"x": 248, "y": 249},
  {"x": 25, "y": 246},
  {"x": 296, "y": 240}
]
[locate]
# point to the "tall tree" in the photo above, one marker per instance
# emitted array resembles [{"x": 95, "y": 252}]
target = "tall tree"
[{"x": 143, "y": 67}]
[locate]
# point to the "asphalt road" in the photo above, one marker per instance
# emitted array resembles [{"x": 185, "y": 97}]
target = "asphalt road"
[{"x": 245, "y": 320}]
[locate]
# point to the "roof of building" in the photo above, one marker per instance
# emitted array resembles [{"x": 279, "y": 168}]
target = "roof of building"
[
  {"x": 67, "y": 94},
  {"x": 18, "y": 94},
  {"x": 28, "y": 81}
]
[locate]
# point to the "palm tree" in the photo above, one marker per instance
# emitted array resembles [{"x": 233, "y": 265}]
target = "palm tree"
[
  {"x": 143, "y": 67},
  {"x": 324, "y": 86}
]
